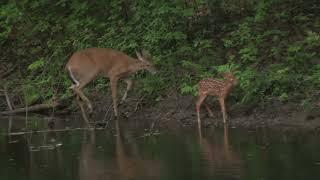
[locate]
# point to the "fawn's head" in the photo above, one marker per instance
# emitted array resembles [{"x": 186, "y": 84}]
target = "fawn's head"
[
  {"x": 229, "y": 77},
  {"x": 145, "y": 62}
]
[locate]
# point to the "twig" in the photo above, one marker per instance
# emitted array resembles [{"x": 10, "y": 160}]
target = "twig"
[
  {"x": 105, "y": 115},
  {"x": 5, "y": 90},
  {"x": 139, "y": 101},
  {"x": 46, "y": 131},
  {"x": 149, "y": 134},
  {"x": 26, "y": 109},
  {"x": 7, "y": 73}
]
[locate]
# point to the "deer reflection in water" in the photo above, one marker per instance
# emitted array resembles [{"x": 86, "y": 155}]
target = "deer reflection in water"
[
  {"x": 221, "y": 159},
  {"x": 89, "y": 166},
  {"x": 133, "y": 165},
  {"x": 127, "y": 163}
]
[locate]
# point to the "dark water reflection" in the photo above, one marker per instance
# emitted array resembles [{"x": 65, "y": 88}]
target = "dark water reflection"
[{"x": 123, "y": 152}]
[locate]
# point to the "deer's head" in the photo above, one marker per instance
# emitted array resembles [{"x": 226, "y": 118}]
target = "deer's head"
[
  {"x": 229, "y": 77},
  {"x": 145, "y": 62}
]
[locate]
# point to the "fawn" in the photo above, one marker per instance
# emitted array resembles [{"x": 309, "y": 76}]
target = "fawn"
[{"x": 215, "y": 87}]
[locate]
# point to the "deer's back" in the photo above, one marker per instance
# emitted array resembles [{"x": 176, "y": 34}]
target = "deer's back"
[
  {"x": 211, "y": 86},
  {"x": 102, "y": 60}
]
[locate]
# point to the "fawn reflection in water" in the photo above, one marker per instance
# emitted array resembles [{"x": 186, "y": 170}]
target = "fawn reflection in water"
[{"x": 221, "y": 159}]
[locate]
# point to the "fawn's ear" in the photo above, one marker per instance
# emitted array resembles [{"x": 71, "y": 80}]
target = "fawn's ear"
[
  {"x": 224, "y": 74},
  {"x": 227, "y": 74}
]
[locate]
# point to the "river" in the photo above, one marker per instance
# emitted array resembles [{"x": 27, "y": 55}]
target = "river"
[{"x": 30, "y": 150}]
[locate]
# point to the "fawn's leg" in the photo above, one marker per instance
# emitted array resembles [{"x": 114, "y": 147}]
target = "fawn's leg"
[
  {"x": 114, "y": 83},
  {"x": 223, "y": 109},
  {"x": 129, "y": 86},
  {"x": 226, "y": 145},
  {"x": 208, "y": 109},
  {"x": 198, "y": 106}
]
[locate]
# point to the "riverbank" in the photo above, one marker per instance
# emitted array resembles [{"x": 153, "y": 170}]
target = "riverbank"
[{"x": 178, "y": 110}]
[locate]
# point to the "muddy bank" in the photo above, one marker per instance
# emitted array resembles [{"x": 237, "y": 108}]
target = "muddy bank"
[{"x": 178, "y": 110}]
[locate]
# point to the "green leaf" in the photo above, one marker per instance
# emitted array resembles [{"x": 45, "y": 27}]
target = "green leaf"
[{"x": 36, "y": 65}]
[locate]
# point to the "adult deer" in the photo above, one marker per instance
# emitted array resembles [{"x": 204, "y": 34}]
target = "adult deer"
[
  {"x": 215, "y": 87},
  {"x": 85, "y": 65}
]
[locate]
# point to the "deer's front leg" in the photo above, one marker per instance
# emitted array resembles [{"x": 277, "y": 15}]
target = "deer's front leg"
[
  {"x": 114, "y": 83},
  {"x": 223, "y": 109},
  {"x": 129, "y": 86}
]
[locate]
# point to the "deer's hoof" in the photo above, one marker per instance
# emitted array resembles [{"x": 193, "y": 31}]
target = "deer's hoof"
[
  {"x": 90, "y": 109},
  {"x": 90, "y": 114}
]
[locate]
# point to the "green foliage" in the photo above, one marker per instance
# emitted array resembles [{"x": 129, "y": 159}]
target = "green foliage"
[
  {"x": 272, "y": 46},
  {"x": 36, "y": 65},
  {"x": 189, "y": 89}
]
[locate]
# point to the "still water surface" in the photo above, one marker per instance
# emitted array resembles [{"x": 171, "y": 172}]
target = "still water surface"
[{"x": 123, "y": 152}]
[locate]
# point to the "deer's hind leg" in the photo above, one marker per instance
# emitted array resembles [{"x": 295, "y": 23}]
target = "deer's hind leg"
[
  {"x": 114, "y": 84},
  {"x": 223, "y": 109},
  {"x": 80, "y": 82},
  {"x": 78, "y": 91},
  {"x": 80, "y": 103}
]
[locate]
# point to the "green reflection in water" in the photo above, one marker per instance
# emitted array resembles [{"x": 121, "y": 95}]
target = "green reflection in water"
[{"x": 121, "y": 152}]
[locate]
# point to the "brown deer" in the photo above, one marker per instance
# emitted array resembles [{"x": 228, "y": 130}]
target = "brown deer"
[
  {"x": 85, "y": 65},
  {"x": 215, "y": 87}
]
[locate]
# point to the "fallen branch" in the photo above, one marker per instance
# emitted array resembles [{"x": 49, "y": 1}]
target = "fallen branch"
[{"x": 34, "y": 108}]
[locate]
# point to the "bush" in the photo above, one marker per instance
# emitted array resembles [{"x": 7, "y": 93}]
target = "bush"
[{"x": 272, "y": 46}]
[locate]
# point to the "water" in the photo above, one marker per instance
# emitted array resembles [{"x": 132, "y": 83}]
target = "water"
[{"x": 125, "y": 152}]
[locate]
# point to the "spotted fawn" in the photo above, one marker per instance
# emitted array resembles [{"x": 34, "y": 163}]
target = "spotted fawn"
[{"x": 218, "y": 88}]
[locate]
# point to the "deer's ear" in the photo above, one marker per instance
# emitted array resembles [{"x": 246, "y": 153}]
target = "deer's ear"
[
  {"x": 139, "y": 56},
  {"x": 228, "y": 73},
  {"x": 146, "y": 53}
]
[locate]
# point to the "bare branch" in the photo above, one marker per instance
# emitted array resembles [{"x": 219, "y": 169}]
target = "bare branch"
[{"x": 37, "y": 107}]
